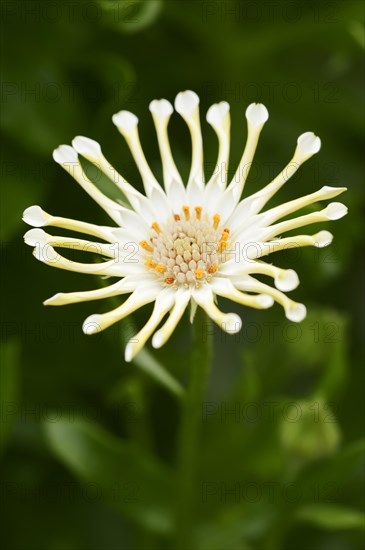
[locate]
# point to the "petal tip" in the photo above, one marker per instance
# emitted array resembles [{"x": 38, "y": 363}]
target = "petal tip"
[
  {"x": 231, "y": 323},
  {"x": 287, "y": 280},
  {"x": 86, "y": 147},
  {"x": 35, "y": 216},
  {"x": 257, "y": 114},
  {"x": 217, "y": 113},
  {"x": 125, "y": 120},
  {"x": 336, "y": 211},
  {"x": 322, "y": 239},
  {"x": 53, "y": 300},
  {"x": 91, "y": 325},
  {"x": 308, "y": 143},
  {"x": 65, "y": 154},
  {"x": 161, "y": 108},
  {"x": 296, "y": 313},
  {"x": 129, "y": 352},
  {"x": 186, "y": 102},
  {"x": 35, "y": 236}
]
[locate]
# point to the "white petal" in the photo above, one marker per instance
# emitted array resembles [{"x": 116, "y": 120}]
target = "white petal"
[
  {"x": 124, "y": 286},
  {"x": 161, "y": 112},
  {"x": 333, "y": 211},
  {"x": 161, "y": 108},
  {"x": 322, "y": 239},
  {"x": 91, "y": 150},
  {"x": 127, "y": 124},
  {"x": 308, "y": 144},
  {"x": 67, "y": 157},
  {"x": 141, "y": 296},
  {"x": 225, "y": 288},
  {"x": 35, "y": 216},
  {"x": 48, "y": 255},
  {"x": 164, "y": 303},
  {"x": 257, "y": 114},
  {"x": 218, "y": 117},
  {"x": 134, "y": 224},
  {"x": 187, "y": 105},
  {"x": 38, "y": 237},
  {"x": 65, "y": 154},
  {"x": 125, "y": 121},
  {"x": 238, "y": 222},
  {"x": 182, "y": 298},
  {"x": 336, "y": 210},
  {"x": 35, "y": 236},
  {"x": 229, "y": 322},
  {"x": 293, "y": 311},
  {"x": 285, "y": 279},
  {"x": 88, "y": 148}
]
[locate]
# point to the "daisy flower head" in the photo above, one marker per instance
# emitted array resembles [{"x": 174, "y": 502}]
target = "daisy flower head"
[{"x": 184, "y": 242}]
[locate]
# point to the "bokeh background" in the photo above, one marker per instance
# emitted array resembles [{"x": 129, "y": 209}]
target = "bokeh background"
[{"x": 88, "y": 442}]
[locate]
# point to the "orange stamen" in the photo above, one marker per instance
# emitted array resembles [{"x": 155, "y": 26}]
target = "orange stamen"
[
  {"x": 213, "y": 269},
  {"x": 198, "y": 211},
  {"x": 186, "y": 211},
  {"x": 146, "y": 246},
  {"x": 177, "y": 217},
  {"x": 169, "y": 280},
  {"x": 156, "y": 227},
  {"x": 150, "y": 264},
  {"x": 199, "y": 273},
  {"x": 216, "y": 220},
  {"x": 160, "y": 268},
  {"x": 222, "y": 245}
]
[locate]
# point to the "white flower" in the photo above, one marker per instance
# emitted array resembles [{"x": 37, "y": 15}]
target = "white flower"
[{"x": 181, "y": 244}]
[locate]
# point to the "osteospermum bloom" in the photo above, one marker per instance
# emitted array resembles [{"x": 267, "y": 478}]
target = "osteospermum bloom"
[{"x": 180, "y": 243}]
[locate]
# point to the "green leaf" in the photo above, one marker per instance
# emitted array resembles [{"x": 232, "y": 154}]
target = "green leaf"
[
  {"x": 130, "y": 17},
  {"x": 136, "y": 484},
  {"x": 331, "y": 516},
  {"x": 9, "y": 387},
  {"x": 41, "y": 111},
  {"x": 315, "y": 432},
  {"x": 145, "y": 361},
  {"x": 327, "y": 479}
]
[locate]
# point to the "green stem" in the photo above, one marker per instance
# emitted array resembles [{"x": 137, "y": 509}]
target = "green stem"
[{"x": 190, "y": 430}]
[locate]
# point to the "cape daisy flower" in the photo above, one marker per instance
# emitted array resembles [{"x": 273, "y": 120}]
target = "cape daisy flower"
[{"x": 184, "y": 243}]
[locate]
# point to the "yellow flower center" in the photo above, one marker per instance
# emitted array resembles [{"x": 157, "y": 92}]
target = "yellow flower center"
[{"x": 187, "y": 249}]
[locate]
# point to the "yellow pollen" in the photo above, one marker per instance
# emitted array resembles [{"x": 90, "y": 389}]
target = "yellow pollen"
[
  {"x": 150, "y": 264},
  {"x": 146, "y": 246},
  {"x": 198, "y": 211},
  {"x": 160, "y": 268},
  {"x": 199, "y": 273},
  {"x": 186, "y": 211},
  {"x": 216, "y": 220},
  {"x": 169, "y": 280},
  {"x": 225, "y": 235},
  {"x": 177, "y": 217},
  {"x": 222, "y": 245},
  {"x": 213, "y": 269},
  {"x": 156, "y": 227}
]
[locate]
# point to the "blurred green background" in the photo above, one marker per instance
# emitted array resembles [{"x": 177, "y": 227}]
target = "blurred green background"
[{"x": 88, "y": 442}]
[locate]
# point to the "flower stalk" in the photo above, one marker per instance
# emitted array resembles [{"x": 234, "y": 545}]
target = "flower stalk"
[{"x": 190, "y": 430}]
